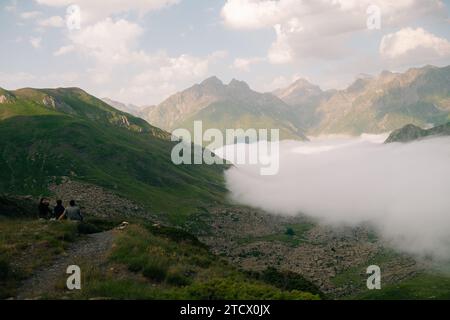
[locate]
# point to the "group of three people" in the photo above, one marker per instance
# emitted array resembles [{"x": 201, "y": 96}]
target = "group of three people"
[{"x": 72, "y": 212}]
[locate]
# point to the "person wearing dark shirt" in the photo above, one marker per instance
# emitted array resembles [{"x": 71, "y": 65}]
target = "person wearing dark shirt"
[
  {"x": 58, "y": 210},
  {"x": 44, "y": 209}
]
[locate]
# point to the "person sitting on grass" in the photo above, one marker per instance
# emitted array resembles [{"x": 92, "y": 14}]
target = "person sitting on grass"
[
  {"x": 58, "y": 210},
  {"x": 72, "y": 212},
  {"x": 44, "y": 209}
]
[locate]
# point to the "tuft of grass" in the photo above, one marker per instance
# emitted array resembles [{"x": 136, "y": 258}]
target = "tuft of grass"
[
  {"x": 175, "y": 234},
  {"x": 289, "y": 281},
  {"x": 294, "y": 235},
  {"x": 155, "y": 270},
  {"x": 237, "y": 289},
  {"x": 177, "y": 279},
  {"x": 5, "y": 270}
]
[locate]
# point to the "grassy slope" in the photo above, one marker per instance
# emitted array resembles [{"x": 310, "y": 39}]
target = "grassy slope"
[
  {"x": 26, "y": 246},
  {"x": 430, "y": 284},
  {"x": 423, "y": 286},
  {"x": 89, "y": 144},
  {"x": 167, "y": 263},
  {"x": 145, "y": 262}
]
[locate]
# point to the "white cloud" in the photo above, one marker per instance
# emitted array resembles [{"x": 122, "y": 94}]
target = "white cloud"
[
  {"x": 280, "y": 82},
  {"x": 109, "y": 42},
  {"x": 24, "y": 79},
  {"x": 93, "y": 11},
  {"x": 244, "y": 14},
  {"x": 52, "y": 22},
  {"x": 281, "y": 51},
  {"x": 63, "y": 50},
  {"x": 319, "y": 29},
  {"x": 123, "y": 71},
  {"x": 344, "y": 15},
  {"x": 11, "y": 7},
  {"x": 161, "y": 75},
  {"x": 413, "y": 43},
  {"x": 244, "y": 64},
  {"x": 30, "y": 14},
  {"x": 399, "y": 189},
  {"x": 35, "y": 42},
  {"x": 15, "y": 80}
]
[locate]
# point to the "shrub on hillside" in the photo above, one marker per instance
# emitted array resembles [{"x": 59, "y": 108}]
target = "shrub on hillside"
[
  {"x": 287, "y": 280},
  {"x": 241, "y": 289},
  {"x": 87, "y": 228},
  {"x": 177, "y": 278},
  {"x": 155, "y": 270},
  {"x": 5, "y": 270},
  {"x": 175, "y": 234}
]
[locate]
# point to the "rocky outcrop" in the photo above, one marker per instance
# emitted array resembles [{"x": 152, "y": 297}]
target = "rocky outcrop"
[
  {"x": 128, "y": 108},
  {"x": 255, "y": 240},
  {"x": 97, "y": 201},
  {"x": 3, "y": 99},
  {"x": 411, "y": 133},
  {"x": 6, "y": 97},
  {"x": 14, "y": 206}
]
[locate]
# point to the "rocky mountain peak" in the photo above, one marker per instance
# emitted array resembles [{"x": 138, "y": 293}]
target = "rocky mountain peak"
[
  {"x": 5, "y": 96},
  {"x": 303, "y": 83},
  {"x": 298, "y": 90},
  {"x": 212, "y": 81},
  {"x": 237, "y": 84},
  {"x": 358, "y": 85},
  {"x": 386, "y": 73}
]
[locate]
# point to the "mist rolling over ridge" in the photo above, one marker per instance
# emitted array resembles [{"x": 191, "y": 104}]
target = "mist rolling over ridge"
[{"x": 401, "y": 190}]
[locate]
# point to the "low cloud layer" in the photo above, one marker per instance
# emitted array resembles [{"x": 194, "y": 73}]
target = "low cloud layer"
[{"x": 402, "y": 190}]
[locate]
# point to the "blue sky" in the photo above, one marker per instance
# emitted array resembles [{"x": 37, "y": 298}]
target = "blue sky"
[{"x": 141, "y": 51}]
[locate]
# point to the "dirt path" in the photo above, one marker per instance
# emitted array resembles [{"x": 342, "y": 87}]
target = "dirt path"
[{"x": 92, "y": 248}]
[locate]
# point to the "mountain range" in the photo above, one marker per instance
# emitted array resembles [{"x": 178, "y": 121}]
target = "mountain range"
[
  {"x": 378, "y": 104},
  {"x": 371, "y": 104},
  {"x": 224, "y": 106},
  {"x": 48, "y": 133}
]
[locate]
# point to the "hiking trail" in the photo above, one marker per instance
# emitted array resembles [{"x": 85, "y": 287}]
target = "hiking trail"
[{"x": 93, "y": 248}]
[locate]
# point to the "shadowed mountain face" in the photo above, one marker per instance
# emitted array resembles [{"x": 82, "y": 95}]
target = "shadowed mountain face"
[
  {"x": 49, "y": 134},
  {"x": 305, "y": 98},
  {"x": 411, "y": 132},
  {"x": 223, "y": 107},
  {"x": 374, "y": 104}
]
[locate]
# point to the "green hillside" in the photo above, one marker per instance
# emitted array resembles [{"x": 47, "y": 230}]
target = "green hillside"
[
  {"x": 47, "y": 134},
  {"x": 424, "y": 286}
]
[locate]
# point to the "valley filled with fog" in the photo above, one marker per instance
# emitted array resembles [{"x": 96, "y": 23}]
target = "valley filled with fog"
[{"x": 400, "y": 190}]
